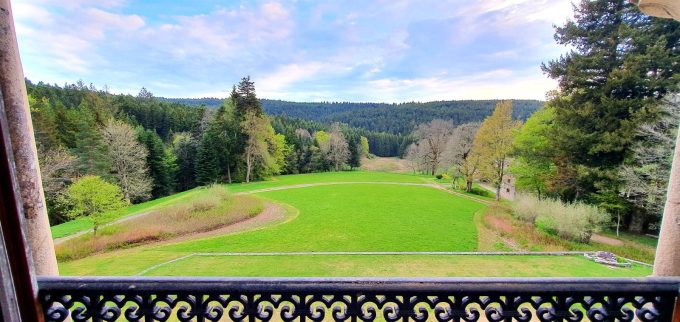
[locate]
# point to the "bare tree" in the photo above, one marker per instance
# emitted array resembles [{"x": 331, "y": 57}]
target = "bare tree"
[
  {"x": 338, "y": 149},
  {"x": 57, "y": 169},
  {"x": 458, "y": 152},
  {"x": 646, "y": 172},
  {"x": 432, "y": 139},
  {"x": 128, "y": 160},
  {"x": 303, "y": 134}
]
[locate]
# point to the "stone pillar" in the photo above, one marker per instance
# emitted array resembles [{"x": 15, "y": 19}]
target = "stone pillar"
[
  {"x": 12, "y": 84},
  {"x": 667, "y": 262}
]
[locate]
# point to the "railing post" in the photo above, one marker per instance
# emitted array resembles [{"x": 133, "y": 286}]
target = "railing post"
[{"x": 12, "y": 84}]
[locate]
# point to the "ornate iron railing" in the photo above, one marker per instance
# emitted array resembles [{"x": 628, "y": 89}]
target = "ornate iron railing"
[{"x": 352, "y": 299}]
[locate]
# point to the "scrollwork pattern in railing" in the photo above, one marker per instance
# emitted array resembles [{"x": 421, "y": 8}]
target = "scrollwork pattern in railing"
[{"x": 355, "y": 306}]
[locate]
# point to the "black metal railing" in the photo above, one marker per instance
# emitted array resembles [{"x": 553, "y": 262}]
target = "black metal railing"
[{"x": 353, "y": 299}]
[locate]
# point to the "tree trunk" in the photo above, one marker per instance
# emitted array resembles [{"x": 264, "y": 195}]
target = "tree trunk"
[
  {"x": 468, "y": 185},
  {"x": 637, "y": 221},
  {"x": 229, "y": 174},
  {"x": 248, "y": 165},
  {"x": 498, "y": 192},
  {"x": 667, "y": 262}
]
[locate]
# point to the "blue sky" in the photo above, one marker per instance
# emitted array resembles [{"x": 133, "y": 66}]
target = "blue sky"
[{"x": 382, "y": 51}]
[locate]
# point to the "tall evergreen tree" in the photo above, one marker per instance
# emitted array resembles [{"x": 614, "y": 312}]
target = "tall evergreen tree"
[
  {"x": 207, "y": 163},
  {"x": 157, "y": 161},
  {"x": 184, "y": 147},
  {"x": 622, "y": 63},
  {"x": 91, "y": 153}
]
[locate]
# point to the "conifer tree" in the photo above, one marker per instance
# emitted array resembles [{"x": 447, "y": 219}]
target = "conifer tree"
[
  {"x": 160, "y": 169},
  {"x": 206, "y": 162}
]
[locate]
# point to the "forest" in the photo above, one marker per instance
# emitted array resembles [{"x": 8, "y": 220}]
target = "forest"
[
  {"x": 90, "y": 140},
  {"x": 396, "y": 118}
]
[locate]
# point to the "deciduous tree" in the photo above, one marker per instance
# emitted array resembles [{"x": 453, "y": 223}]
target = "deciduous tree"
[
  {"x": 95, "y": 199},
  {"x": 432, "y": 138},
  {"x": 338, "y": 149},
  {"x": 458, "y": 151},
  {"x": 532, "y": 166},
  {"x": 128, "y": 160},
  {"x": 493, "y": 143}
]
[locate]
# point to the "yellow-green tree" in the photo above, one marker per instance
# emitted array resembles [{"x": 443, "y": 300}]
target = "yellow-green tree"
[{"x": 493, "y": 144}]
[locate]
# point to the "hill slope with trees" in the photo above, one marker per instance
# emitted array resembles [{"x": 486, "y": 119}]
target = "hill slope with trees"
[{"x": 398, "y": 118}]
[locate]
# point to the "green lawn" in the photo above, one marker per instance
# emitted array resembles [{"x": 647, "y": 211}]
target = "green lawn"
[
  {"x": 394, "y": 265},
  {"x": 344, "y": 176},
  {"x": 348, "y": 217},
  {"x": 81, "y": 224},
  {"x": 359, "y": 218}
]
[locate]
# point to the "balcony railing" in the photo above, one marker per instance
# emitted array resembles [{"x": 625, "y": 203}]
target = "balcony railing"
[{"x": 354, "y": 299}]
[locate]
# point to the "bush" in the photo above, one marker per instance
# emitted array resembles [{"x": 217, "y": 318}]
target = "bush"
[
  {"x": 215, "y": 196},
  {"x": 439, "y": 176},
  {"x": 480, "y": 192},
  {"x": 576, "y": 221}
]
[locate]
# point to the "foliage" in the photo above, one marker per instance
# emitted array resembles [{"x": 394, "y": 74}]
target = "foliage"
[
  {"x": 646, "y": 171},
  {"x": 532, "y": 165},
  {"x": 622, "y": 64},
  {"x": 493, "y": 143},
  {"x": 95, "y": 199},
  {"x": 432, "y": 137},
  {"x": 129, "y": 160},
  {"x": 57, "y": 167},
  {"x": 256, "y": 153},
  {"x": 396, "y": 119},
  {"x": 576, "y": 221},
  {"x": 465, "y": 162},
  {"x": 338, "y": 149},
  {"x": 160, "y": 162},
  {"x": 364, "y": 146}
]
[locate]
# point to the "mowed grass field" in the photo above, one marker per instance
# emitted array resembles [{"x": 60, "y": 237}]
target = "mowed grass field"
[
  {"x": 74, "y": 226},
  {"x": 345, "y": 218}
]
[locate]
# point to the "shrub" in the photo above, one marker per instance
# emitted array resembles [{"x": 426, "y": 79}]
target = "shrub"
[
  {"x": 576, "y": 221},
  {"x": 215, "y": 196},
  {"x": 525, "y": 207},
  {"x": 439, "y": 176},
  {"x": 480, "y": 192}
]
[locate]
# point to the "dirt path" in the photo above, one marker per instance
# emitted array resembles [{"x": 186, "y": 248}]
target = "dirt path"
[{"x": 606, "y": 240}]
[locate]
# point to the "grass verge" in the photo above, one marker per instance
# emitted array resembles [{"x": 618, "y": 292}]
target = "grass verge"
[{"x": 394, "y": 265}]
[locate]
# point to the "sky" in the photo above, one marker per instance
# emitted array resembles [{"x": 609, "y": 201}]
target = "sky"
[{"x": 350, "y": 50}]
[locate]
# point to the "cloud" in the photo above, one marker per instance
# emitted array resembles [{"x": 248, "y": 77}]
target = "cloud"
[{"x": 384, "y": 50}]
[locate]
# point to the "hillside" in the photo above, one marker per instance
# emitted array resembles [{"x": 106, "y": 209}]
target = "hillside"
[{"x": 398, "y": 118}]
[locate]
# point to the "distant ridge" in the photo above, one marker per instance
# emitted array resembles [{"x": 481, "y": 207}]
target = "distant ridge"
[{"x": 397, "y": 118}]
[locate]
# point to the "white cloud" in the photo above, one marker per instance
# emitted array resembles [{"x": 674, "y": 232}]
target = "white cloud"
[
  {"x": 380, "y": 51},
  {"x": 496, "y": 84}
]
